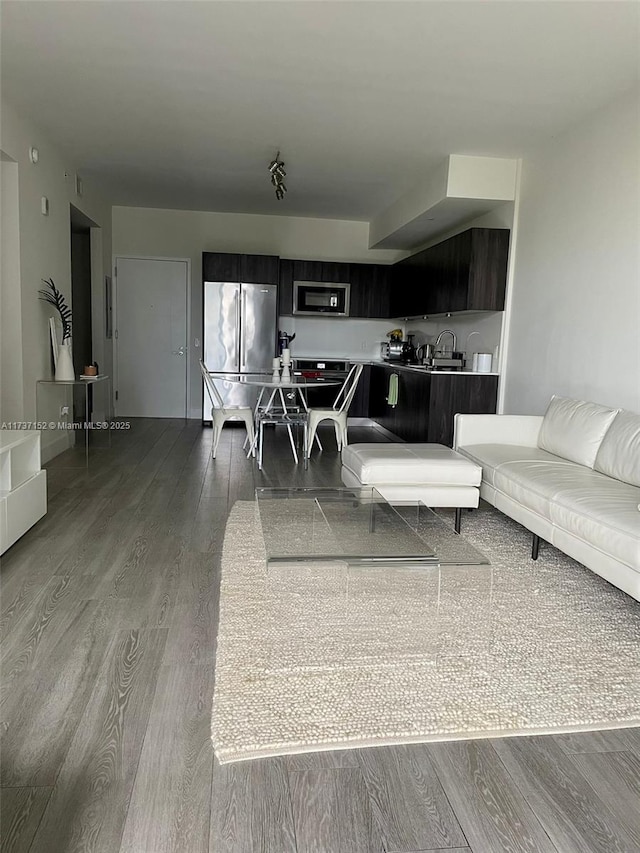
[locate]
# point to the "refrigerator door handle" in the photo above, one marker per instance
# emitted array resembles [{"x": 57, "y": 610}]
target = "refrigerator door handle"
[
  {"x": 243, "y": 342},
  {"x": 239, "y": 329}
]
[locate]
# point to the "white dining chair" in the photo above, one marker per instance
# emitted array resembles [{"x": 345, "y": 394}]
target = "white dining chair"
[
  {"x": 337, "y": 413},
  {"x": 220, "y": 413}
]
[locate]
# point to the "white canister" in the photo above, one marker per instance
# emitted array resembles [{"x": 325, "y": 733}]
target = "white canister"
[
  {"x": 474, "y": 362},
  {"x": 484, "y": 362},
  {"x": 286, "y": 356}
]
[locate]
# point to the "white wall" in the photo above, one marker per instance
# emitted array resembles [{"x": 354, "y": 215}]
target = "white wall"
[
  {"x": 187, "y": 234},
  {"x": 45, "y": 252},
  {"x": 11, "y": 390},
  {"x": 325, "y": 336},
  {"x": 576, "y": 293}
]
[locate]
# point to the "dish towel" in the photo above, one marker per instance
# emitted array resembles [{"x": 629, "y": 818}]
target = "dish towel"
[{"x": 392, "y": 396}]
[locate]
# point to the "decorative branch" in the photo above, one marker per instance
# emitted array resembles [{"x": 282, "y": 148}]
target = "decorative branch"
[{"x": 55, "y": 298}]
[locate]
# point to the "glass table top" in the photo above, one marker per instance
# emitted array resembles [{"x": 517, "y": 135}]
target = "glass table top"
[{"x": 356, "y": 526}]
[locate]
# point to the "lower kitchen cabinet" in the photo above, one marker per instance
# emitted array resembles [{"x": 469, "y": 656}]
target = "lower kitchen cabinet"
[
  {"x": 467, "y": 394},
  {"x": 359, "y": 407},
  {"x": 427, "y": 402},
  {"x": 379, "y": 410},
  {"x": 323, "y": 398}
]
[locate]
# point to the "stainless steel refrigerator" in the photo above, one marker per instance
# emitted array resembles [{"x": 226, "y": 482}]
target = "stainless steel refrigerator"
[{"x": 240, "y": 335}]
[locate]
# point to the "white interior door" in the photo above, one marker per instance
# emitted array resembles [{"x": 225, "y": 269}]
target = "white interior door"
[{"x": 151, "y": 340}]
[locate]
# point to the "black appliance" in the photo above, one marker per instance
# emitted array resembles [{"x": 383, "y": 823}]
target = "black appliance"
[
  {"x": 401, "y": 352},
  {"x": 321, "y": 368},
  {"x": 316, "y": 297}
]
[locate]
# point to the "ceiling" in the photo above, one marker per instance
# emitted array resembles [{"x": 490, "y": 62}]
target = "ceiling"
[{"x": 183, "y": 104}]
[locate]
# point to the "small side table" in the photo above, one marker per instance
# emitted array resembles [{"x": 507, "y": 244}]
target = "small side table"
[{"x": 49, "y": 393}]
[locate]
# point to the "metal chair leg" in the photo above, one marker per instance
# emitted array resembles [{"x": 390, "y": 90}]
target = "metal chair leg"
[
  {"x": 260, "y": 440},
  {"x": 458, "y": 519},
  {"x": 216, "y": 438},
  {"x": 292, "y": 443}
]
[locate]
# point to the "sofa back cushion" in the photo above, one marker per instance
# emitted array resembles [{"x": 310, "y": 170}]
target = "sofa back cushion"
[
  {"x": 619, "y": 453},
  {"x": 574, "y": 429}
]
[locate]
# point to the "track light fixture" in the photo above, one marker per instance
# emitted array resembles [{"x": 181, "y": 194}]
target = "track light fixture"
[{"x": 276, "y": 168}]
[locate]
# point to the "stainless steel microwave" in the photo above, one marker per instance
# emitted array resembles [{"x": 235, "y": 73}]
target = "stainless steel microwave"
[{"x": 320, "y": 297}]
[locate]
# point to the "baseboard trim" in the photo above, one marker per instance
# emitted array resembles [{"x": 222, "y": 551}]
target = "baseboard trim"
[{"x": 55, "y": 448}]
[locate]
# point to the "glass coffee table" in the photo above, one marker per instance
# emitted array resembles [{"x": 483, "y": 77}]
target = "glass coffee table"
[{"x": 357, "y": 526}]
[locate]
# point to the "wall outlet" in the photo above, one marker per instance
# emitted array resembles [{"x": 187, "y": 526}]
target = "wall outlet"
[
  {"x": 64, "y": 410},
  {"x": 364, "y": 346}
]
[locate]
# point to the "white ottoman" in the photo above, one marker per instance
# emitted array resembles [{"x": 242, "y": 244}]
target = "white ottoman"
[{"x": 431, "y": 474}]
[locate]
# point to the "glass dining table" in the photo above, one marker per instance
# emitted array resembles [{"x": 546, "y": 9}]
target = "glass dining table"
[{"x": 280, "y": 401}]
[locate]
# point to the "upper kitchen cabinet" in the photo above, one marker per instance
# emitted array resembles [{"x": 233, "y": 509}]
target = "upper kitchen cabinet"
[
  {"x": 327, "y": 271},
  {"x": 467, "y": 272},
  {"x": 260, "y": 269},
  {"x": 408, "y": 286},
  {"x": 370, "y": 290},
  {"x": 285, "y": 289},
  {"x": 253, "y": 269},
  {"x": 487, "y": 269},
  {"x": 220, "y": 266},
  {"x": 291, "y": 271},
  {"x": 370, "y": 284}
]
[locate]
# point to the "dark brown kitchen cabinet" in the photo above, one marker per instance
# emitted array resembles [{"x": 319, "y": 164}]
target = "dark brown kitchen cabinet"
[
  {"x": 370, "y": 290},
  {"x": 220, "y": 266},
  {"x": 412, "y": 411},
  {"x": 370, "y": 284},
  {"x": 327, "y": 271},
  {"x": 325, "y": 397},
  {"x": 464, "y": 394},
  {"x": 409, "y": 418},
  {"x": 260, "y": 269},
  {"x": 285, "y": 288},
  {"x": 427, "y": 402},
  {"x": 379, "y": 410},
  {"x": 359, "y": 407},
  {"x": 291, "y": 270},
  {"x": 227, "y": 266},
  {"x": 408, "y": 287},
  {"x": 335, "y": 272},
  {"x": 466, "y": 272}
]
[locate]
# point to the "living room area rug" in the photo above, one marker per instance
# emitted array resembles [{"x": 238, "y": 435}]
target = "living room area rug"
[{"x": 329, "y": 656}]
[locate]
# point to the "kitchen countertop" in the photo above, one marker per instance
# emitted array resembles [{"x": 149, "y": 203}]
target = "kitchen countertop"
[{"x": 416, "y": 368}]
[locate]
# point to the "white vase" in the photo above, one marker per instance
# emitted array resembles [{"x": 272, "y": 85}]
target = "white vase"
[{"x": 64, "y": 364}]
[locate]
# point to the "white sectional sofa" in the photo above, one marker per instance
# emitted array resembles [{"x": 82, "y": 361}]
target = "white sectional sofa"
[{"x": 571, "y": 477}]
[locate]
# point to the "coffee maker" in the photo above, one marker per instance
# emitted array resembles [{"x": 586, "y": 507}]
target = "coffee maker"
[
  {"x": 397, "y": 349},
  {"x": 284, "y": 341}
]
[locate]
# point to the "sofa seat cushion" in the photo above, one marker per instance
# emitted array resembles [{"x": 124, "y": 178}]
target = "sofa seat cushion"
[
  {"x": 607, "y": 519},
  {"x": 574, "y": 429},
  {"x": 493, "y": 456},
  {"x": 409, "y": 464},
  {"x": 591, "y": 506},
  {"x": 619, "y": 453},
  {"x": 536, "y": 484}
]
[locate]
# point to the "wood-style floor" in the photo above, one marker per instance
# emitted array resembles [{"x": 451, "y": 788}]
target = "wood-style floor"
[{"x": 108, "y": 620}]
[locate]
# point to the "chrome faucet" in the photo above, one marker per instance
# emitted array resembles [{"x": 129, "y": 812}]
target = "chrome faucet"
[{"x": 446, "y": 332}]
